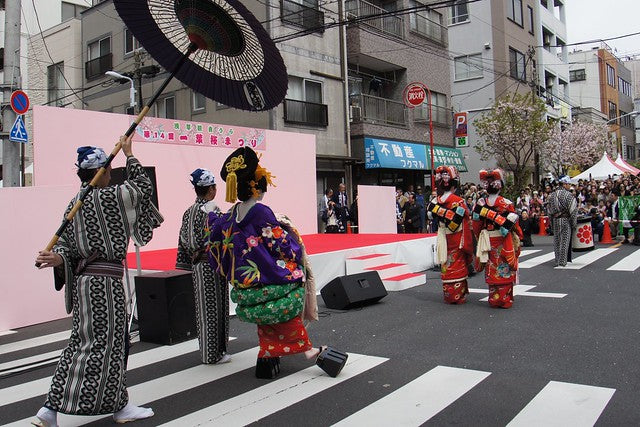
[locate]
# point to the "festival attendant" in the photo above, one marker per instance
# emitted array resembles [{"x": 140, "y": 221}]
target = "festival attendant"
[
  {"x": 563, "y": 208},
  {"x": 90, "y": 378},
  {"x": 495, "y": 225},
  {"x": 454, "y": 241},
  {"x": 265, "y": 262},
  {"x": 210, "y": 289}
]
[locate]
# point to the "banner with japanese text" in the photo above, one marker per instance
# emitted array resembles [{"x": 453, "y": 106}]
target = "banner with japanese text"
[{"x": 180, "y": 132}]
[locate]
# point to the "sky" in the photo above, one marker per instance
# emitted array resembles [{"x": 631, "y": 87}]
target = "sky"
[{"x": 598, "y": 19}]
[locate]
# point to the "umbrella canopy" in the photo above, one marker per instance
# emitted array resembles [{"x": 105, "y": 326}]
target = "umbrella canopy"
[
  {"x": 604, "y": 169},
  {"x": 236, "y": 63},
  {"x": 621, "y": 163}
]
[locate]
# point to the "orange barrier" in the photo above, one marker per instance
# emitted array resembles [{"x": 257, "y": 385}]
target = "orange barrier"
[
  {"x": 349, "y": 227},
  {"x": 606, "y": 233},
  {"x": 543, "y": 226}
]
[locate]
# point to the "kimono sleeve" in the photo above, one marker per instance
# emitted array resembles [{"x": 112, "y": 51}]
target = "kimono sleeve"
[
  {"x": 64, "y": 274},
  {"x": 279, "y": 243},
  {"x": 135, "y": 195},
  {"x": 183, "y": 258}
]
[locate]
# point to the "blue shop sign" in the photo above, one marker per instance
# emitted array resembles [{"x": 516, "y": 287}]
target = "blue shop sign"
[{"x": 381, "y": 153}]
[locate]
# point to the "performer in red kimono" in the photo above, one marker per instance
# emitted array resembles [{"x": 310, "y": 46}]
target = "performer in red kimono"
[
  {"x": 455, "y": 242},
  {"x": 495, "y": 225}
]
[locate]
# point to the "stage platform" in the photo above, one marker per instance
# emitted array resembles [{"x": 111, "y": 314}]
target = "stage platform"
[{"x": 329, "y": 253}]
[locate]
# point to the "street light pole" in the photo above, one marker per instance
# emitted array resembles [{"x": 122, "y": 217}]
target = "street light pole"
[
  {"x": 132, "y": 90},
  {"x": 433, "y": 186}
]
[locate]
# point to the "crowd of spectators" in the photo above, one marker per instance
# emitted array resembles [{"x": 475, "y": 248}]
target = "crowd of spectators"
[{"x": 597, "y": 199}]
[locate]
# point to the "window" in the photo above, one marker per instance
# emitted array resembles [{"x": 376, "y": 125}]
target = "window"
[
  {"x": 303, "y": 13},
  {"x": 440, "y": 113},
  {"x": 611, "y": 76},
  {"x": 577, "y": 75},
  {"x": 99, "y": 48},
  {"x": 130, "y": 43},
  {"x": 613, "y": 110},
  {"x": 428, "y": 23},
  {"x": 304, "y": 103},
  {"x": 459, "y": 12},
  {"x": 55, "y": 84},
  {"x": 166, "y": 108},
  {"x": 70, "y": 10},
  {"x": 624, "y": 86},
  {"x": 468, "y": 66},
  {"x": 99, "y": 58},
  {"x": 626, "y": 119},
  {"x": 199, "y": 102},
  {"x": 514, "y": 11},
  {"x": 517, "y": 64},
  {"x": 531, "y": 27}
]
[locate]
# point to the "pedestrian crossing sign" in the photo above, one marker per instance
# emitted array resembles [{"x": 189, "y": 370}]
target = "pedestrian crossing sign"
[{"x": 18, "y": 131}]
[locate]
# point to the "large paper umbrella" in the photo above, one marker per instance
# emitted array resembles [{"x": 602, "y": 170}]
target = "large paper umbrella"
[
  {"x": 216, "y": 47},
  {"x": 236, "y": 63}
]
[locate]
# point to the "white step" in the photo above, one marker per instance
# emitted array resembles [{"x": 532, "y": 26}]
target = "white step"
[
  {"x": 360, "y": 263},
  {"x": 390, "y": 270},
  {"x": 404, "y": 281}
]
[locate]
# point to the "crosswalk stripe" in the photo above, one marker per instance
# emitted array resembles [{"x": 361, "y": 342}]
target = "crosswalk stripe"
[
  {"x": 258, "y": 403},
  {"x": 138, "y": 360},
  {"x": 564, "y": 404},
  {"x": 168, "y": 385},
  {"x": 8, "y": 332},
  {"x": 535, "y": 261},
  {"x": 586, "y": 259},
  {"x": 628, "y": 263},
  {"x": 527, "y": 252},
  {"x": 34, "y": 342},
  {"x": 419, "y": 400}
]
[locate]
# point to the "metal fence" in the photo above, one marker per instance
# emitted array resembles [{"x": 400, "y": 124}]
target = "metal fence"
[
  {"x": 373, "y": 109},
  {"x": 306, "y": 113},
  {"x": 393, "y": 25}
]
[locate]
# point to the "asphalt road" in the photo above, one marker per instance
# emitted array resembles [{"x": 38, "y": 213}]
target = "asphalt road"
[{"x": 570, "y": 359}]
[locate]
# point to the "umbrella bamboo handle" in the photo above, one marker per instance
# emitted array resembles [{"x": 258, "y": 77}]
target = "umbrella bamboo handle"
[{"x": 76, "y": 207}]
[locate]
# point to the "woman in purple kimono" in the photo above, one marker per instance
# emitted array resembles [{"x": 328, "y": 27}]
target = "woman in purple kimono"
[{"x": 264, "y": 261}]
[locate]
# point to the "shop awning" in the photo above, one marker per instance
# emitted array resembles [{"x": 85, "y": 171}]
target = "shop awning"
[{"x": 382, "y": 153}]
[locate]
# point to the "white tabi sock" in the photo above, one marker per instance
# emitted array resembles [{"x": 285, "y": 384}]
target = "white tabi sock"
[
  {"x": 46, "y": 418},
  {"x": 132, "y": 413}
]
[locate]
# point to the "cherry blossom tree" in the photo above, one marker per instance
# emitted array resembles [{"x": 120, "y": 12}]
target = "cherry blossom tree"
[
  {"x": 512, "y": 132},
  {"x": 580, "y": 144}
]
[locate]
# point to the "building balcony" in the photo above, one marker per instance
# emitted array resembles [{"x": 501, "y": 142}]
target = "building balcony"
[
  {"x": 301, "y": 16},
  {"x": 375, "y": 110},
  {"x": 306, "y": 113},
  {"x": 98, "y": 66},
  {"x": 441, "y": 115},
  {"x": 429, "y": 29},
  {"x": 389, "y": 24}
]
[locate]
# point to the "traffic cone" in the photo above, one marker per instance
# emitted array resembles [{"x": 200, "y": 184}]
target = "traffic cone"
[
  {"x": 543, "y": 226},
  {"x": 349, "y": 227},
  {"x": 606, "y": 233}
]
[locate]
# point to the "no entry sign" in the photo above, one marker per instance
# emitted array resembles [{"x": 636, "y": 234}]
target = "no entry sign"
[
  {"x": 414, "y": 95},
  {"x": 19, "y": 102}
]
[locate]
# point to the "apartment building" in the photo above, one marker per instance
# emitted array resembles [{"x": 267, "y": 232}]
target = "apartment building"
[
  {"x": 601, "y": 81},
  {"x": 493, "y": 48},
  {"x": 315, "y": 101},
  {"x": 406, "y": 42}
]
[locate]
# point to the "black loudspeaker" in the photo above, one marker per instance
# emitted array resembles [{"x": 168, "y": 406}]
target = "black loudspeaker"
[
  {"x": 118, "y": 176},
  {"x": 345, "y": 292},
  {"x": 166, "y": 307}
]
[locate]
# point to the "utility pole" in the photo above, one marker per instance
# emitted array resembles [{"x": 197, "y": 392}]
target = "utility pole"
[{"x": 10, "y": 150}]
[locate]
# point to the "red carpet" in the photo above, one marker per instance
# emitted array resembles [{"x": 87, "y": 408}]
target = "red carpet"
[{"x": 165, "y": 259}]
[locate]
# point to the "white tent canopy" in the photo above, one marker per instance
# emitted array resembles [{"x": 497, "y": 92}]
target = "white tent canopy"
[
  {"x": 604, "y": 169},
  {"x": 624, "y": 165}
]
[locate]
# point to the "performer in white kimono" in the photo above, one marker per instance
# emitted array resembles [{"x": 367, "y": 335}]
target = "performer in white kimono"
[
  {"x": 210, "y": 289},
  {"x": 563, "y": 208},
  {"x": 90, "y": 378}
]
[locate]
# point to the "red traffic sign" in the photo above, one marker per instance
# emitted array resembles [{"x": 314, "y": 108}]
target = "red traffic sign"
[
  {"x": 19, "y": 102},
  {"x": 414, "y": 94}
]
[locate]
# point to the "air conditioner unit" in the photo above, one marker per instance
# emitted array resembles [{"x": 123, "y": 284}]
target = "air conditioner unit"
[{"x": 355, "y": 113}]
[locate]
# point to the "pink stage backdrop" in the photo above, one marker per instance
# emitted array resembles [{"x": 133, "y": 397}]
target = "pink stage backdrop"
[
  {"x": 377, "y": 209},
  {"x": 30, "y": 216}
]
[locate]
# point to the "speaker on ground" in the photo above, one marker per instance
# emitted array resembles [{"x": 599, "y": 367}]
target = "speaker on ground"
[
  {"x": 166, "y": 307},
  {"x": 353, "y": 290}
]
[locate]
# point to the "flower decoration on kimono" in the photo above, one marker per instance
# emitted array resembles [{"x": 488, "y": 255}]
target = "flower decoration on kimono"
[
  {"x": 252, "y": 241},
  {"x": 202, "y": 178},
  {"x": 267, "y": 232},
  {"x": 91, "y": 157}
]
